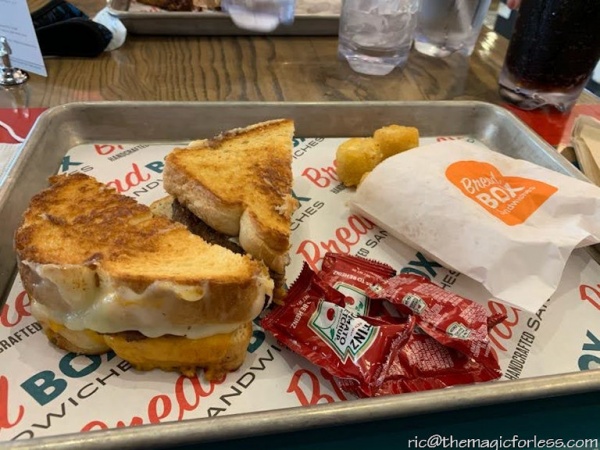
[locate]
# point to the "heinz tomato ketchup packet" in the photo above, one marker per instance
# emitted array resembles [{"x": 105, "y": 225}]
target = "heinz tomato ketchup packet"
[
  {"x": 450, "y": 319},
  {"x": 422, "y": 364},
  {"x": 507, "y": 223},
  {"x": 314, "y": 324},
  {"x": 383, "y": 355},
  {"x": 352, "y": 276}
]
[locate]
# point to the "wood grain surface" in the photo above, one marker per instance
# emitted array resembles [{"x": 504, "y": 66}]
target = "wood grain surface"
[{"x": 264, "y": 68}]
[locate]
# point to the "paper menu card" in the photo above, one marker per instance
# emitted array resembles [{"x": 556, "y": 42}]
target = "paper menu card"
[
  {"x": 16, "y": 26},
  {"x": 45, "y": 391}
]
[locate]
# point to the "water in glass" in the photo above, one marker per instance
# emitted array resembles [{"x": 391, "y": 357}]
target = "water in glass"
[
  {"x": 448, "y": 26},
  {"x": 376, "y": 35},
  {"x": 260, "y": 15}
]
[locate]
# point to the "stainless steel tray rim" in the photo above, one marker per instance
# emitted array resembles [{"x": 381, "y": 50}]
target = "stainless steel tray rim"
[
  {"x": 214, "y": 23},
  {"x": 212, "y": 14},
  {"x": 320, "y": 416},
  {"x": 276, "y": 421}
]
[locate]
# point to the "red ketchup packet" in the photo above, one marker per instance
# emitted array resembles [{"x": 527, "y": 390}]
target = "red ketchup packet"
[
  {"x": 450, "y": 319},
  {"x": 352, "y": 276},
  {"x": 436, "y": 339},
  {"x": 314, "y": 324},
  {"x": 422, "y": 364}
]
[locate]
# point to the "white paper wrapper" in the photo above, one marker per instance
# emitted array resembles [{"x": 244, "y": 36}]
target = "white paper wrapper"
[
  {"x": 504, "y": 222},
  {"x": 45, "y": 391}
]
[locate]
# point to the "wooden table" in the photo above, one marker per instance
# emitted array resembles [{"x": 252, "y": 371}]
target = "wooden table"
[{"x": 256, "y": 69}]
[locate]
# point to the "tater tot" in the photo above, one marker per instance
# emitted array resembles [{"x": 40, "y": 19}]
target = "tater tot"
[
  {"x": 394, "y": 139},
  {"x": 355, "y": 157},
  {"x": 364, "y": 175}
]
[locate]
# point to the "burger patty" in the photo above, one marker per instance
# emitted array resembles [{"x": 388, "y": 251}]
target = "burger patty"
[
  {"x": 184, "y": 216},
  {"x": 197, "y": 226},
  {"x": 131, "y": 335}
]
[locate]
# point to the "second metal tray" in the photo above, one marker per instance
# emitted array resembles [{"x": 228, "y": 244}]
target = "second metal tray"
[{"x": 213, "y": 23}]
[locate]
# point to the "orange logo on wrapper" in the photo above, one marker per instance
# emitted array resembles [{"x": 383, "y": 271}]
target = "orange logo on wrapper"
[{"x": 510, "y": 199}]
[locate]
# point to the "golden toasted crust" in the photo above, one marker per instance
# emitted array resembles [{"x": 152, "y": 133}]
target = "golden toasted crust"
[
  {"x": 80, "y": 221},
  {"x": 83, "y": 342},
  {"x": 240, "y": 184},
  {"x": 78, "y": 229},
  {"x": 165, "y": 207},
  {"x": 217, "y": 354}
]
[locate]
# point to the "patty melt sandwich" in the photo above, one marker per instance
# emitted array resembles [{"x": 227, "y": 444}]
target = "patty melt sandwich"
[
  {"x": 236, "y": 190},
  {"x": 103, "y": 272}
]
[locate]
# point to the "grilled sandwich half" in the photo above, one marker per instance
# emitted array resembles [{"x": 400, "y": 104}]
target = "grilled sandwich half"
[
  {"x": 104, "y": 273},
  {"x": 236, "y": 190}
]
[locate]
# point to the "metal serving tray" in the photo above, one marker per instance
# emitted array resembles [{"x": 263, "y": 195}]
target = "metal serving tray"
[
  {"x": 64, "y": 127},
  {"x": 213, "y": 23}
]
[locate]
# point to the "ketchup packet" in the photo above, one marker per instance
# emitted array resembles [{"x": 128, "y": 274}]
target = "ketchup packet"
[
  {"x": 352, "y": 276},
  {"x": 314, "y": 324},
  {"x": 422, "y": 364},
  {"x": 450, "y": 319},
  {"x": 384, "y": 354}
]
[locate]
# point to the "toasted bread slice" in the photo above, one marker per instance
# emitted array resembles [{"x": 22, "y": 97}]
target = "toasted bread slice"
[
  {"x": 171, "y": 208},
  {"x": 216, "y": 354},
  {"x": 79, "y": 224},
  {"x": 240, "y": 183},
  {"x": 83, "y": 248}
]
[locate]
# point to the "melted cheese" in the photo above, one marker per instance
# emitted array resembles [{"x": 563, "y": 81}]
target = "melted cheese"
[{"x": 81, "y": 298}]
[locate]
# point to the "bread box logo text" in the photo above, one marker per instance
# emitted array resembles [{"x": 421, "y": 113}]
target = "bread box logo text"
[
  {"x": 510, "y": 199},
  {"x": 47, "y": 385},
  {"x": 65, "y": 391}
]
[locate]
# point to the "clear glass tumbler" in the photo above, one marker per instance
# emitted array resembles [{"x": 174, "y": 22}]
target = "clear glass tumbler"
[
  {"x": 260, "y": 15},
  {"x": 449, "y": 26},
  {"x": 552, "y": 53},
  {"x": 376, "y": 35}
]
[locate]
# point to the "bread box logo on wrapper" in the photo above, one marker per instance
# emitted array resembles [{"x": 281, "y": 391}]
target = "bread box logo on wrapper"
[
  {"x": 347, "y": 334},
  {"x": 510, "y": 199}
]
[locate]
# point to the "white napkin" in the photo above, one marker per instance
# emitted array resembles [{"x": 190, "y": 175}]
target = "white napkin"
[{"x": 117, "y": 28}]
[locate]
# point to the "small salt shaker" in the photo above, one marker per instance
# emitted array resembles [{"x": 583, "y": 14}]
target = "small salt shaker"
[{"x": 9, "y": 75}]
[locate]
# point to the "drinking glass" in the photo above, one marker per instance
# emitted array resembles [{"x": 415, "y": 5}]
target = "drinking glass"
[
  {"x": 260, "y": 15},
  {"x": 449, "y": 26},
  {"x": 552, "y": 53},
  {"x": 375, "y": 36}
]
